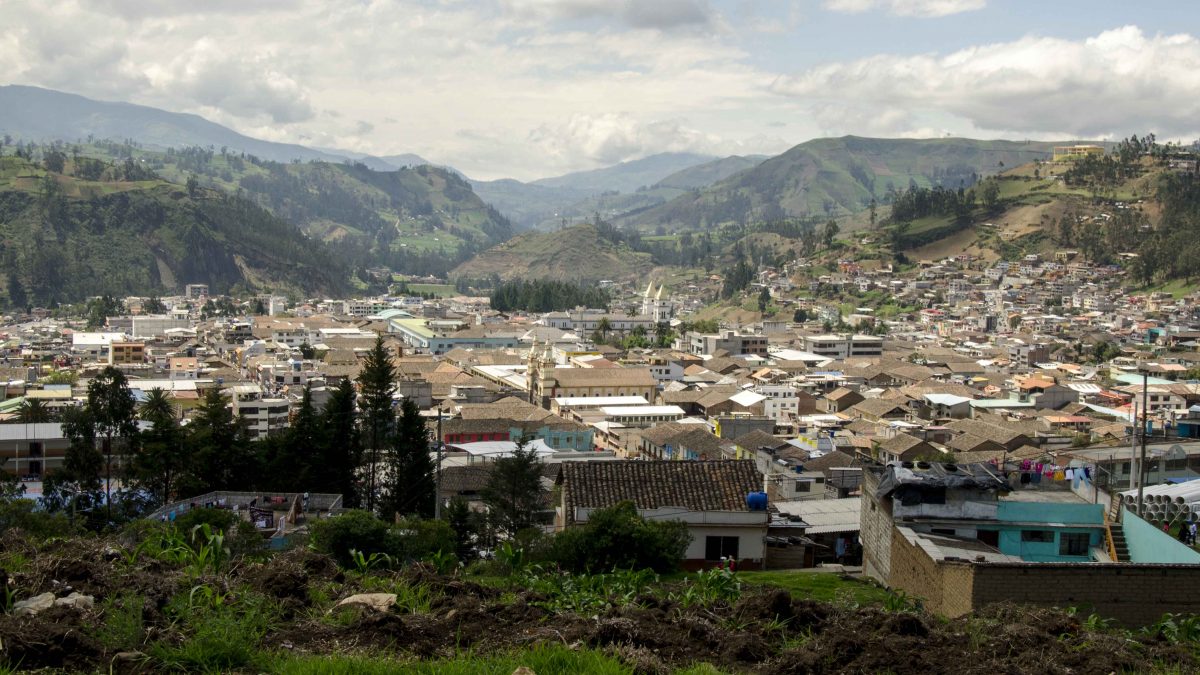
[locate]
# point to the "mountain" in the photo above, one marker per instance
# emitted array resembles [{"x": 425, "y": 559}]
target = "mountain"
[
  {"x": 703, "y": 175},
  {"x": 89, "y": 227},
  {"x": 627, "y": 176},
  {"x": 578, "y": 253},
  {"x": 610, "y": 191},
  {"x": 835, "y": 176},
  {"x": 36, "y": 114},
  {"x": 424, "y": 219}
]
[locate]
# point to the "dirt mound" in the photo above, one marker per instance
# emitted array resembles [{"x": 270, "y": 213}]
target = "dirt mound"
[{"x": 55, "y": 638}]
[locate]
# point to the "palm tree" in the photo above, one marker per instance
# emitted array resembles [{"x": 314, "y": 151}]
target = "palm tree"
[
  {"x": 157, "y": 406},
  {"x": 604, "y": 326},
  {"x": 33, "y": 412}
]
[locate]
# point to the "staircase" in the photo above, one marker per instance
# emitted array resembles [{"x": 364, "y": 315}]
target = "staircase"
[{"x": 1119, "y": 550}]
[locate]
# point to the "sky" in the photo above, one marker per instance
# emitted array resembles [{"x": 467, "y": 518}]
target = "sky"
[{"x": 534, "y": 88}]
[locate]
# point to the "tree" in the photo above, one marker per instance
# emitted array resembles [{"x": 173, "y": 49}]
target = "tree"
[
  {"x": 112, "y": 411},
  {"x": 297, "y": 466},
  {"x": 77, "y": 484},
  {"x": 162, "y": 454},
  {"x": 341, "y": 449},
  {"x": 307, "y": 351},
  {"x": 663, "y": 334},
  {"x": 513, "y": 493},
  {"x": 220, "y": 449},
  {"x": 873, "y": 213},
  {"x": 55, "y": 161},
  {"x": 764, "y": 299},
  {"x": 154, "y": 305},
  {"x": 17, "y": 299},
  {"x": 411, "y": 470},
  {"x": 620, "y": 538},
  {"x": 800, "y": 315},
  {"x": 830, "y": 233},
  {"x": 991, "y": 196},
  {"x": 603, "y": 327},
  {"x": 377, "y": 383},
  {"x": 465, "y": 524},
  {"x": 193, "y": 186},
  {"x": 33, "y": 411}
]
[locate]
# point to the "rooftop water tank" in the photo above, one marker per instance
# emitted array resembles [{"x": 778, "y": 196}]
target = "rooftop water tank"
[{"x": 756, "y": 501}]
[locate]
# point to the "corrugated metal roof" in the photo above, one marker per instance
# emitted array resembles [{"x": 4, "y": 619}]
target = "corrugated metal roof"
[{"x": 825, "y": 515}]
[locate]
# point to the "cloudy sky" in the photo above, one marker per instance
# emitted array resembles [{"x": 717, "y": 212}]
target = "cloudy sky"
[{"x": 532, "y": 88}]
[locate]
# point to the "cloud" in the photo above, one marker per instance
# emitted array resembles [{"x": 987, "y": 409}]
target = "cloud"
[
  {"x": 1118, "y": 82},
  {"x": 915, "y": 8},
  {"x": 655, "y": 14}
]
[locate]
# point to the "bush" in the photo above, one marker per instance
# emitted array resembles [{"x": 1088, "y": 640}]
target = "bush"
[
  {"x": 353, "y": 530},
  {"x": 619, "y": 538},
  {"x": 410, "y": 539},
  {"x": 21, "y": 514},
  {"x": 220, "y": 520}
]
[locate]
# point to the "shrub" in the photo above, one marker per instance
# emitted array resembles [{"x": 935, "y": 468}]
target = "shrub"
[
  {"x": 418, "y": 539},
  {"x": 21, "y": 514},
  {"x": 353, "y": 530},
  {"x": 619, "y": 538},
  {"x": 220, "y": 520}
]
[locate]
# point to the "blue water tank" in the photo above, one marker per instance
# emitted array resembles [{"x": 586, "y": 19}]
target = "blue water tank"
[{"x": 756, "y": 501}]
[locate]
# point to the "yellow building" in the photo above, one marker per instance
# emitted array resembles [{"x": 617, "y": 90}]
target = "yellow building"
[{"x": 1073, "y": 152}]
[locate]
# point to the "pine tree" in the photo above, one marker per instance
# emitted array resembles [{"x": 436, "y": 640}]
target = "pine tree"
[
  {"x": 341, "y": 446},
  {"x": 223, "y": 458},
  {"x": 112, "y": 412},
  {"x": 514, "y": 490},
  {"x": 411, "y": 489},
  {"x": 298, "y": 463},
  {"x": 377, "y": 383}
]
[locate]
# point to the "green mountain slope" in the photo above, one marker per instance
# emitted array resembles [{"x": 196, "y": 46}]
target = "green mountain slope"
[
  {"x": 123, "y": 230},
  {"x": 703, "y": 175},
  {"x": 836, "y": 176},
  {"x": 420, "y": 220},
  {"x": 579, "y": 253}
]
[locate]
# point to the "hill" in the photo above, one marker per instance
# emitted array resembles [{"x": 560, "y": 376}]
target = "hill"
[
  {"x": 703, "y": 175},
  {"x": 421, "y": 219},
  {"x": 578, "y": 253},
  {"x": 627, "y": 176},
  {"x": 836, "y": 176},
  {"x": 123, "y": 230},
  {"x": 40, "y": 115}
]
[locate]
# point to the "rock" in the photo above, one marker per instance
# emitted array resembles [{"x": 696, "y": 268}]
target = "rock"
[
  {"x": 77, "y": 600},
  {"x": 524, "y": 670},
  {"x": 451, "y": 614},
  {"x": 126, "y": 657},
  {"x": 35, "y": 605},
  {"x": 380, "y": 602}
]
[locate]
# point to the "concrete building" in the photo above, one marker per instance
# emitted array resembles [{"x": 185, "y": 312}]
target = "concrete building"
[{"x": 843, "y": 346}]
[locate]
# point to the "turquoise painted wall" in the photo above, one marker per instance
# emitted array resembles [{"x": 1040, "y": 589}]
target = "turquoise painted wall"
[
  {"x": 1042, "y": 512},
  {"x": 1052, "y": 517},
  {"x": 1148, "y": 544}
]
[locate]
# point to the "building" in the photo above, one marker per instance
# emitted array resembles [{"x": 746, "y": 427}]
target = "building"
[
  {"x": 655, "y": 306},
  {"x": 547, "y": 382},
  {"x": 126, "y": 353},
  {"x": 195, "y": 291},
  {"x": 156, "y": 325},
  {"x": 727, "y": 341},
  {"x": 710, "y": 497},
  {"x": 960, "y": 537},
  {"x": 843, "y": 346},
  {"x": 262, "y": 416},
  {"x": 1073, "y": 152}
]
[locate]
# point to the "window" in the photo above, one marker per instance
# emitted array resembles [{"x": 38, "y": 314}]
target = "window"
[
  {"x": 803, "y": 486},
  {"x": 1074, "y": 543},
  {"x": 1039, "y": 536},
  {"x": 1177, "y": 464},
  {"x": 716, "y": 548},
  {"x": 933, "y": 496}
]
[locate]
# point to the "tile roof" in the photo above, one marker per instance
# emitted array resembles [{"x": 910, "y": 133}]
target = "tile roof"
[{"x": 720, "y": 485}]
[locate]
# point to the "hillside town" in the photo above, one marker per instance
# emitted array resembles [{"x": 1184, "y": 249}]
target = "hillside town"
[{"x": 961, "y": 452}]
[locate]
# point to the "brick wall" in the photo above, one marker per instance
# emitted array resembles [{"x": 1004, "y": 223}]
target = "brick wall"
[
  {"x": 944, "y": 588},
  {"x": 1132, "y": 594},
  {"x": 875, "y": 530}
]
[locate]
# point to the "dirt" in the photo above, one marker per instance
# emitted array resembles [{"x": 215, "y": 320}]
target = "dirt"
[{"x": 765, "y": 631}]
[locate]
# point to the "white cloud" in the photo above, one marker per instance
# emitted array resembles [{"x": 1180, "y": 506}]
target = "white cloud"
[
  {"x": 917, "y": 8},
  {"x": 1116, "y": 83},
  {"x": 658, "y": 14}
]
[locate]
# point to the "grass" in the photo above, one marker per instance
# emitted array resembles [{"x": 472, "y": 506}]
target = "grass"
[
  {"x": 440, "y": 290},
  {"x": 825, "y": 587},
  {"x": 1177, "y": 288}
]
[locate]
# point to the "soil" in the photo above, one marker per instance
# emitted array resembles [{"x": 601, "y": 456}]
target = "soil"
[{"x": 766, "y": 631}]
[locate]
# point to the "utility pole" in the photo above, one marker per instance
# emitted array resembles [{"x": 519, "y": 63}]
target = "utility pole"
[
  {"x": 1145, "y": 432},
  {"x": 437, "y": 491}
]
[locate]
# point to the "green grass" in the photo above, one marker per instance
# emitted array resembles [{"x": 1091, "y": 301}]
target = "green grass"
[
  {"x": 440, "y": 290},
  {"x": 826, "y": 587},
  {"x": 1177, "y": 288}
]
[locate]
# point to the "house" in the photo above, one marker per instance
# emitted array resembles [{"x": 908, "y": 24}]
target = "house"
[
  {"x": 683, "y": 441},
  {"x": 903, "y": 448},
  {"x": 840, "y": 399},
  {"x": 879, "y": 410},
  {"x": 709, "y": 496}
]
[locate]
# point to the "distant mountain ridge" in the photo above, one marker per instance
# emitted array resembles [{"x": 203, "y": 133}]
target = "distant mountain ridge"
[{"x": 830, "y": 177}]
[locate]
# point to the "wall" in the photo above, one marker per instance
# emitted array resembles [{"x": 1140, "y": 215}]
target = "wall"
[
  {"x": 1134, "y": 595},
  {"x": 1149, "y": 544},
  {"x": 875, "y": 530},
  {"x": 944, "y": 588}
]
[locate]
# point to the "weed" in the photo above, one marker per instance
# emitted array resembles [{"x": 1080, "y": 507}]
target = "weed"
[
  {"x": 8, "y": 597},
  {"x": 899, "y": 601},
  {"x": 710, "y": 587},
  {"x": 586, "y": 594},
  {"x": 1176, "y": 628},
  {"x": 365, "y": 563},
  {"x": 410, "y": 598},
  {"x": 220, "y": 635},
  {"x": 123, "y": 628},
  {"x": 444, "y": 562}
]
